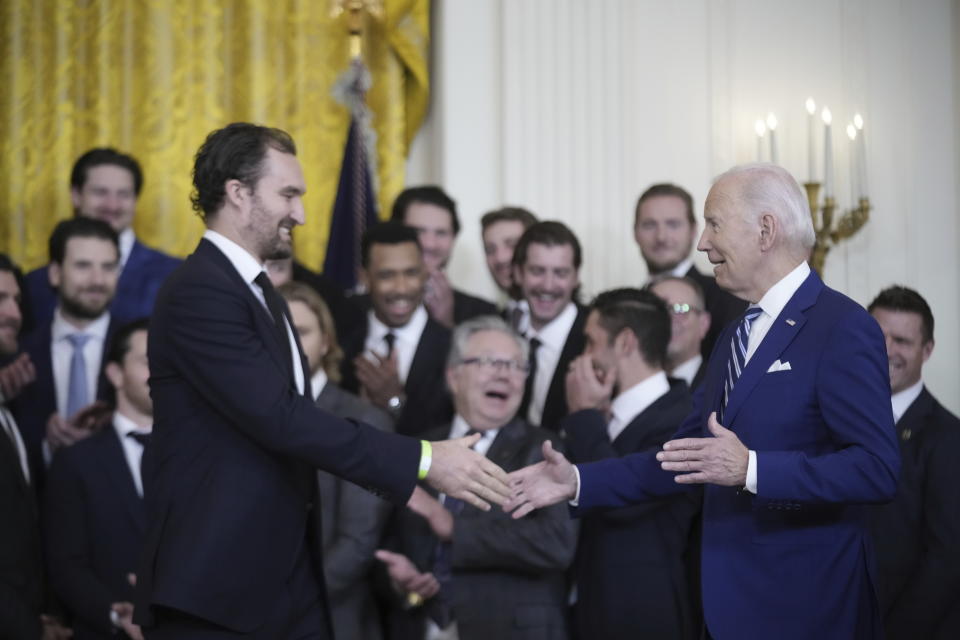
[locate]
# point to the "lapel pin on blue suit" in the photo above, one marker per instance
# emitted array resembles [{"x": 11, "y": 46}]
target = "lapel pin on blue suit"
[{"x": 791, "y": 321}]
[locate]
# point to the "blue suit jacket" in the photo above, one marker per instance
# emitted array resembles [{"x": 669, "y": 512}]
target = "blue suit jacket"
[
  {"x": 229, "y": 476},
  {"x": 93, "y": 524},
  {"x": 794, "y": 561},
  {"x": 137, "y": 288}
]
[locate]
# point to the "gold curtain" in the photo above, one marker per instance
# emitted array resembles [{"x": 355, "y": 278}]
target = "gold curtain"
[{"x": 153, "y": 77}]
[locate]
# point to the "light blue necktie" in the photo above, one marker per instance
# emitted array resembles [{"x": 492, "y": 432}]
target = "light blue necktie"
[
  {"x": 738, "y": 355},
  {"x": 78, "y": 391}
]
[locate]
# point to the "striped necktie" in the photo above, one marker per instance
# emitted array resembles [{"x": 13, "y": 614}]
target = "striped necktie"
[{"x": 738, "y": 354}]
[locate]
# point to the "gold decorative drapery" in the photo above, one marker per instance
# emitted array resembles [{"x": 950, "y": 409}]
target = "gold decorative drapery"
[{"x": 153, "y": 77}]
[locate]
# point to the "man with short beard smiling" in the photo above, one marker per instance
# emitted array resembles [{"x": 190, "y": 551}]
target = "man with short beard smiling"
[
  {"x": 396, "y": 358},
  {"x": 546, "y": 266},
  {"x": 68, "y": 349}
]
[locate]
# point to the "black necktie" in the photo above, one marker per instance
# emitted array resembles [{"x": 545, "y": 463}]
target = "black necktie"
[
  {"x": 275, "y": 305},
  {"x": 139, "y": 436},
  {"x": 528, "y": 385},
  {"x": 390, "y": 339}
]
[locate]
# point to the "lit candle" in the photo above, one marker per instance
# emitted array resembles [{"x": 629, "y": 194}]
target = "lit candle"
[
  {"x": 862, "y": 149},
  {"x": 827, "y": 153},
  {"x": 772, "y": 125},
  {"x": 761, "y": 129},
  {"x": 811, "y": 144},
  {"x": 854, "y": 152}
]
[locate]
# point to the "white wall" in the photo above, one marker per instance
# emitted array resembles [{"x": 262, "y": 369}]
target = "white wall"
[{"x": 573, "y": 107}]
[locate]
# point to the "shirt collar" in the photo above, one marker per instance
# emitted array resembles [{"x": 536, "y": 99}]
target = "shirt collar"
[
  {"x": 555, "y": 333},
  {"x": 318, "y": 382},
  {"x": 460, "y": 428},
  {"x": 687, "y": 371},
  {"x": 902, "y": 400},
  {"x": 678, "y": 271},
  {"x": 242, "y": 260},
  {"x": 409, "y": 333},
  {"x": 124, "y": 425},
  {"x": 632, "y": 402},
  {"x": 777, "y": 296},
  {"x": 60, "y": 328},
  {"x": 126, "y": 239}
]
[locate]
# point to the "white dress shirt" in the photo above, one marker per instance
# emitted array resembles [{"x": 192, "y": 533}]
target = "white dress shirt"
[
  {"x": 126, "y": 240},
  {"x": 61, "y": 352},
  {"x": 10, "y": 430},
  {"x": 902, "y": 400},
  {"x": 634, "y": 401},
  {"x": 318, "y": 382},
  {"x": 687, "y": 371},
  {"x": 132, "y": 450},
  {"x": 771, "y": 304},
  {"x": 552, "y": 338},
  {"x": 249, "y": 268},
  {"x": 405, "y": 345}
]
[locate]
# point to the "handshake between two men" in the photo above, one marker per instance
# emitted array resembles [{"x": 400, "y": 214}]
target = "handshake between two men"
[{"x": 462, "y": 473}]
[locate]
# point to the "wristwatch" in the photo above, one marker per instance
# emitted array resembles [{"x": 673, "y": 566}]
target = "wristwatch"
[{"x": 395, "y": 403}]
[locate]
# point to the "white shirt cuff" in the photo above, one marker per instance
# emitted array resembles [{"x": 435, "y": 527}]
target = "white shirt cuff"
[
  {"x": 752, "y": 472},
  {"x": 576, "y": 496}
]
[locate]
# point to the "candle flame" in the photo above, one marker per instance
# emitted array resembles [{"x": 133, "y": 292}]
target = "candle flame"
[
  {"x": 852, "y": 132},
  {"x": 760, "y": 128},
  {"x": 827, "y": 116},
  {"x": 811, "y": 106},
  {"x": 858, "y": 121},
  {"x": 771, "y": 121}
]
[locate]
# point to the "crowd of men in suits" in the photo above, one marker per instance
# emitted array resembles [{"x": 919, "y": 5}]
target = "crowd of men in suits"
[{"x": 414, "y": 355}]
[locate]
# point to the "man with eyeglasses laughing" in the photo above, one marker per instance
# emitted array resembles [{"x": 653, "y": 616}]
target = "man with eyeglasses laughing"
[
  {"x": 690, "y": 323},
  {"x": 481, "y": 575}
]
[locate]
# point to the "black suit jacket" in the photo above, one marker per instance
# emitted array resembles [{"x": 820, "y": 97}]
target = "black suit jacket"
[
  {"x": 466, "y": 306},
  {"x": 94, "y": 524},
  {"x": 724, "y": 308},
  {"x": 918, "y": 534},
  {"x": 555, "y": 405},
  {"x": 38, "y": 400},
  {"x": 508, "y": 575},
  {"x": 21, "y": 566},
  {"x": 633, "y": 565},
  {"x": 229, "y": 476},
  {"x": 428, "y": 402}
]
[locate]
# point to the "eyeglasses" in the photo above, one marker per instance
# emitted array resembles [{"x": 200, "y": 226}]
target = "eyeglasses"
[
  {"x": 498, "y": 364},
  {"x": 682, "y": 309}
]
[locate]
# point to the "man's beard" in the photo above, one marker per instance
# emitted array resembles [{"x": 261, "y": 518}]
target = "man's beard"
[{"x": 80, "y": 310}]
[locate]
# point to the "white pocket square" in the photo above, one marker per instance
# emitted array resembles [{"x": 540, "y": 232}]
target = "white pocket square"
[{"x": 779, "y": 366}]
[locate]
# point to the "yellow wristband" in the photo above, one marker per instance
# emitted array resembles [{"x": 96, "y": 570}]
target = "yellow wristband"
[{"x": 426, "y": 457}]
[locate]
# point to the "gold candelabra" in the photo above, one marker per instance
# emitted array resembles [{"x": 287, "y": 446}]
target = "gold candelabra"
[{"x": 830, "y": 232}]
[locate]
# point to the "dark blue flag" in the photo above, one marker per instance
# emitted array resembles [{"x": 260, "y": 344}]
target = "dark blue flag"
[{"x": 354, "y": 209}]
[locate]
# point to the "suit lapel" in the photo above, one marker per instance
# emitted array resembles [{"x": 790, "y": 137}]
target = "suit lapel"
[
  {"x": 916, "y": 416},
  {"x": 554, "y": 406},
  {"x": 261, "y": 316},
  {"x": 785, "y": 328},
  {"x": 422, "y": 366},
  {"x": 504, "y": 447},
  {"x": 114, "y": 465}
]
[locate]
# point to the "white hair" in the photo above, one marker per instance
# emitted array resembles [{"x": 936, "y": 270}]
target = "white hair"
[
  {"x": 465, "y": 330},
  {"x": 769, "y": 188}
]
